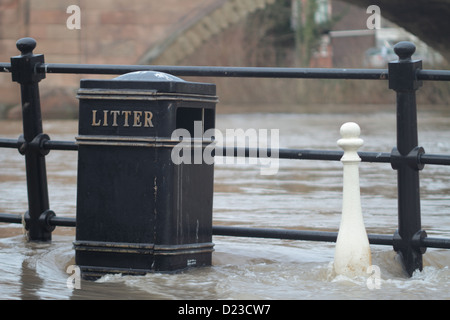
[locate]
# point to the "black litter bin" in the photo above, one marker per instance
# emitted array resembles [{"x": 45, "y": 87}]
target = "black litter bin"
[{"x": 139, "y": 211}]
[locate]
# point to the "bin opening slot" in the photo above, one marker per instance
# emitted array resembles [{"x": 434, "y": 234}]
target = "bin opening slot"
[{"x": 186, "y": 118}]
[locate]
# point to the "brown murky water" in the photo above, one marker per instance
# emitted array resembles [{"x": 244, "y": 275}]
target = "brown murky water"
[{"x": 302, "y": 195}]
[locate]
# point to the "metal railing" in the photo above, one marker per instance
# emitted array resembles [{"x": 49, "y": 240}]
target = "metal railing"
[{"x": 405, "y": 77}]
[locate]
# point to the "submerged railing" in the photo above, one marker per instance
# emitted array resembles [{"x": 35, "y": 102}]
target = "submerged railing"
[{"x": 404, "y": 76}]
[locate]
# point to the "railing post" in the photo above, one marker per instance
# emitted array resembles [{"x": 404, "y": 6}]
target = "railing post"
[
  {"x": 406, "y": 157},
  {"x": 23, "y": 70}
]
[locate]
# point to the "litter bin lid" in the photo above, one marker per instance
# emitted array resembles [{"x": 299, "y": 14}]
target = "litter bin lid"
[
  {"x": 150, "y": 81},
  {"x": 148, "y": 76}
]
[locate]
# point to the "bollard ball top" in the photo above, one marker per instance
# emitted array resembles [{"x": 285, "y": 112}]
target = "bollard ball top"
[
  {"x": 26, "y": 45},
  {"x": 350, "y": 141},
  {"x": 404, "y": 50},
  {"x": 350, "y": 130}
]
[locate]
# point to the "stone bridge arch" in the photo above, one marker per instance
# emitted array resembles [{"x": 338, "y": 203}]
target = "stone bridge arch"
[
  {"x": 427, "y": 19},
  {"x": 189, "y": 36}
]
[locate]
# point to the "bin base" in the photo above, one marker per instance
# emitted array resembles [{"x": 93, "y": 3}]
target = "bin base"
[{"x": 96, "y": 259}]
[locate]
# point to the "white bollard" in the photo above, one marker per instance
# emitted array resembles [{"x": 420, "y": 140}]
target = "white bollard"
[{"x": 352, "y": 254}]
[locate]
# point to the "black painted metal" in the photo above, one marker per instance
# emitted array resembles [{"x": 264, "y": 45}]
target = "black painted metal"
[
  {"x": 299, "y": 154},
  {"x": 23, "y": 72},
  {"x": 403, "y": 80},
  {"x": 303, "y": 235},
  {"x": 208, "y": 71},
  {"x": 137, "y": 209},
  {"x": 407, "y": 157}
]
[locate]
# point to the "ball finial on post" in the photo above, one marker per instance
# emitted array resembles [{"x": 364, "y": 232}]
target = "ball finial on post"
[
  {"x": 404, "y": 50},
  {"x": 26, "y": 45},
  {"x": 352, "y": 253},
  {"x": 350, "y": 141}
]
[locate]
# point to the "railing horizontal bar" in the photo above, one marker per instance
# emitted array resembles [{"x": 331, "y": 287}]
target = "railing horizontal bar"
[
  {"x": 281, "y": 153},
  {"x": 5, "y": 67},
  {"x": 434, "y": 75},
  {"x": 323, "y": 73},
  {"x": 9, "y": 143},
  {"x": 308, "y": 235},
  {"x": 212, "y": 71},
  {"x": 284, "y": 234},
  {"x": 305, "y": 154},
  {"x": 10, "y": 218},
  {"x": 436, "y": 243},
  {"x": 54, "y": 221},
  {"x": 63, "y": 221},
  {"x": 60, "y": 145},
  {"x": 300, "y": 154},
  {"x": 375, "y": 157},
  {"x": 435, "y": 159},
  {"x": 48, "y": 145},
  {"x": 310, "y": 154}
]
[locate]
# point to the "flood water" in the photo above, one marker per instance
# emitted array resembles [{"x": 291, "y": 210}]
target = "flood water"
[{"x": 302, "y": 195}]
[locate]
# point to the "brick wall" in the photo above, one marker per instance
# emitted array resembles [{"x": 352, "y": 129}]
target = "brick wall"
[
  {"x": 117, "y": 32},
  {"x": 112, "y": 32}
]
